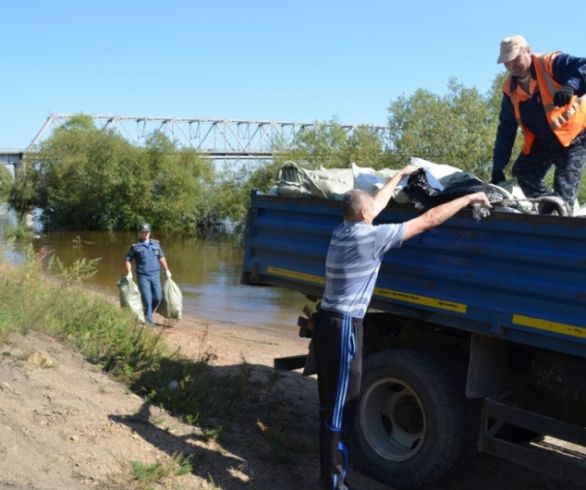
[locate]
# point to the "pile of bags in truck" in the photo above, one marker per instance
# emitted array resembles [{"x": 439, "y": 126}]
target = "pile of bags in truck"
[{"x": 433, "y": 184}]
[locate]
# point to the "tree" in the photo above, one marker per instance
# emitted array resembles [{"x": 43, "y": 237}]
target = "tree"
[
  {"x": 90, "y": 178},
  {"x": 231, "y": 195},
  {"x": 366, "y": 148},
  {"x": 5, "y": 183},
  {"x": 320, "y": 145},
  {"x": 85, "y": 177},
  {"x": 456, "y": 129},
  {"x": 180, "y": 185},
  {"x": 23, "y": 193},
  {"x": 329, "y": 145}
]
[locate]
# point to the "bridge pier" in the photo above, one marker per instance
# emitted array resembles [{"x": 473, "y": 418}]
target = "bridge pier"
[{"x": 11, "y": 159}]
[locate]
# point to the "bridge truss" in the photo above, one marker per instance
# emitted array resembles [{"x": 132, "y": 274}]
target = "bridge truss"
[{"x": 214, "y": 138}]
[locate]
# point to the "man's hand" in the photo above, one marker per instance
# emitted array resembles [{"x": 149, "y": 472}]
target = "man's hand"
[
  {"x": 408, "y": 170},
  {"x": 129, "y": 276},
  {"x": 436, "y": 216},
  {"x": 168, "y": 274},
  {"x": 479, "y": 198},
  {"x": 563, "y": 96},
  {"x": 498, "y": 176},
  {"x": 384, "y": 194}
]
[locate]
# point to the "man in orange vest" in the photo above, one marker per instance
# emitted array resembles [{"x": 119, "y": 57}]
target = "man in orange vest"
[{"x": 544, "y": 96}]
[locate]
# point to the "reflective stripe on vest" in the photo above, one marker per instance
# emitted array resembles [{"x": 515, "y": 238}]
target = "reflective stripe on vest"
[{"x": 557, "y": 116}]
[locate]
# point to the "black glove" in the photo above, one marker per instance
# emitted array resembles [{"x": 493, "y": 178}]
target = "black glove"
[
  {"x": 498, "y": 176},
  {"x": 563, "y": 96}
]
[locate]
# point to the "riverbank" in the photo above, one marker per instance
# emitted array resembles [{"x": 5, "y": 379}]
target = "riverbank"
[{"x": 66, "y": 424}]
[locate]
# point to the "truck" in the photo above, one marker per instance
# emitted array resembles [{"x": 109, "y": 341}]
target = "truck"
[{"x": 475, "y": 338}]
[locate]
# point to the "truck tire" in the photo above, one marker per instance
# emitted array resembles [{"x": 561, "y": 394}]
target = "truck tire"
[{"x": 410, "y": 420}]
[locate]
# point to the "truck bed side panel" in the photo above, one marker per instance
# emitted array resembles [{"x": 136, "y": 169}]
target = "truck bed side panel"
[{"x": 520, "y": 277}]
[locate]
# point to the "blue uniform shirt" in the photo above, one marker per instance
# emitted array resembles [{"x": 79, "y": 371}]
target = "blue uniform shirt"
[{"x": 147, "y": 256}]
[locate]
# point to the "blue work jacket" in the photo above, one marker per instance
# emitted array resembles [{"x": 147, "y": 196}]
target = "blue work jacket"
[{"x": 147, "y": 256}]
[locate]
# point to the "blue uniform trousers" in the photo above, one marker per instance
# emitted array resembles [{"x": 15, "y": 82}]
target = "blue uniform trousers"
[{"x": 151, "y": 293}]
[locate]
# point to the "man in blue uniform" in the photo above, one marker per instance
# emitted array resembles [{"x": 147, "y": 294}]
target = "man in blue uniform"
[
  {"x": 149, "y": 258},
  {"x": 352, "y": 264}
]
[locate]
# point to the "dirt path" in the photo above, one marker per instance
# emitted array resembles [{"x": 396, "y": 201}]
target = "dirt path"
[{"x": 66, "y": 425}]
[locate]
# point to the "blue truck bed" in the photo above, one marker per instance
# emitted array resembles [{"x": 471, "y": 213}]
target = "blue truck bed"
[{"x": 514, "y": 276}]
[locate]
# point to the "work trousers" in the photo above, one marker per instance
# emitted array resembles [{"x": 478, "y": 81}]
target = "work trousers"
[
  {"x": 531, "y": 169},
  {"x": 151, "y": 293},
  {"x": 338, "y": 350}
]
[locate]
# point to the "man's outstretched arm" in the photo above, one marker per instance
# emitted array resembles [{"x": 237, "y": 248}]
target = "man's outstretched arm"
[
  {"x": 436, "y": 216},
  {"x": 384, "y": 194}
]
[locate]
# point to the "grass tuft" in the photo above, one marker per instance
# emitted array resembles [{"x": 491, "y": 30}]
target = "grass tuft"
[{"x": 112, "y": 338}]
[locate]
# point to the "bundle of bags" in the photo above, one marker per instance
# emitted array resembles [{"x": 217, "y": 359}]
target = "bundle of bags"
[
  {"x": 435, "y": 183},
  {"x": 130, "y": 297},
  {"x": 171, "y": 306}
]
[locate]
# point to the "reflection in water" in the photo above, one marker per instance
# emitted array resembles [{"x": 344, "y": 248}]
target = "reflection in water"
[{"x": 207, "y": 271}]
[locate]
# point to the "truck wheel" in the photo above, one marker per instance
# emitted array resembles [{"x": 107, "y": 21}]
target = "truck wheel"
[{"x": 410, "y": 420}]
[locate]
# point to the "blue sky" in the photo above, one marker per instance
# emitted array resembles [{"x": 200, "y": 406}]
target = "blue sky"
[{"x": 255, "y": 59}]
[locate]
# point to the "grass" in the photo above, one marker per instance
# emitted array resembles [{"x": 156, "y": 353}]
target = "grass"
[
  {"x": 137, "y": 475},
  {"x": 18, "y": 232},
  {"x": 110, "y": 337},
  {"x": 102, "y": 332}
]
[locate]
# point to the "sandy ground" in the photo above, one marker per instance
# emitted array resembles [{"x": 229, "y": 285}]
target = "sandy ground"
[{"x": 66, "y": 425}]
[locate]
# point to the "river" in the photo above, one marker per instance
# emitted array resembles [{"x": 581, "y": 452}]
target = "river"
[{"x": 206, "y": 269}]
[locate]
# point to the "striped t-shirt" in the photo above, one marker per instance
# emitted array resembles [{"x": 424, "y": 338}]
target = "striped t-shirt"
[{"x": 352, "y": 263}]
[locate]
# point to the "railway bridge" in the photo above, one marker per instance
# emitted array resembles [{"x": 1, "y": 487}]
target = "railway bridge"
[{"x": 222, "y": 139}]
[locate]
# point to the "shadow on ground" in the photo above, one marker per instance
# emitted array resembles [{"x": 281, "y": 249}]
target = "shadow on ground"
[{"x": 264, "y": 432}]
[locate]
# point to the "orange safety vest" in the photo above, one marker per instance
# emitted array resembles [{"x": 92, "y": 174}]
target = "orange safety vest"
[{"x": 566, "y": 122}]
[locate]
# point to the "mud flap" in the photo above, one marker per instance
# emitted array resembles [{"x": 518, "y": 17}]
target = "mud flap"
[{"x": 306, "y": 362}]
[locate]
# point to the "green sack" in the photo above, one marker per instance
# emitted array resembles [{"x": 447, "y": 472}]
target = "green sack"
[
  {"x": 172, "y": 304},
  {"x": 130, "y": 297}
]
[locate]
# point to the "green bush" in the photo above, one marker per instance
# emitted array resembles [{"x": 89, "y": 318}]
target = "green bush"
[
  {"x": 5, "y": 183},
  {"x": 104, "y": 333},
  {"x": 89, "y": 178}
]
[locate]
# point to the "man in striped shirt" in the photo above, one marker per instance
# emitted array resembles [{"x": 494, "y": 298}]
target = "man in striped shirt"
[{"x": 352, "y": 264}]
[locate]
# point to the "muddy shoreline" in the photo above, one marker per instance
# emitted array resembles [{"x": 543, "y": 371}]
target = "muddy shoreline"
[{"x": 66, "y": 424}]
